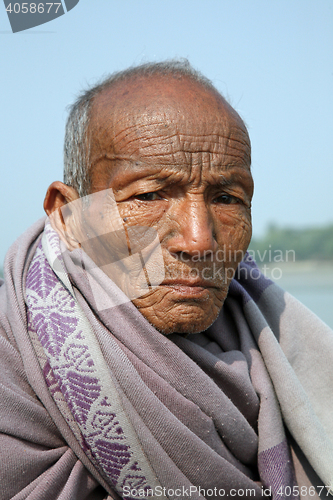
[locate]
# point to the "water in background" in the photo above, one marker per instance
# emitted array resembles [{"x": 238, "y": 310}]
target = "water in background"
[{"x": 310, "y": 282}]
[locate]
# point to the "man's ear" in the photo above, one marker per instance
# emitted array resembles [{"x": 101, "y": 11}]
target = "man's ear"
[{"x": 57, "y": 196}]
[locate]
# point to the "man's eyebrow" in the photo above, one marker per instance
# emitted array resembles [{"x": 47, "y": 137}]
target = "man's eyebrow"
[
  {"x": 224, "y": 181},
  {"x": 230, "y": 179},
  {"x": 106, "y": 156}
]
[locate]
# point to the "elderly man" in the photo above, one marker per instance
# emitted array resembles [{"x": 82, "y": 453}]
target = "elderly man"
[{"x": 143, "y": 353}]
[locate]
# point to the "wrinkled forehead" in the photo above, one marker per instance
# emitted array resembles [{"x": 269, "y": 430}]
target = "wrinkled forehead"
[{"x": 145, "y": 106}]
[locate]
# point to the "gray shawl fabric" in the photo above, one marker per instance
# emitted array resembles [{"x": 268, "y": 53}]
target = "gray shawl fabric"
[{"x": 98, "y": 404}]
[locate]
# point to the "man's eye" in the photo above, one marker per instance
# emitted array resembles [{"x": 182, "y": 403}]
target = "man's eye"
[
  {"x": 148, "y": 196},
  {"x": 226, "y": 199}
]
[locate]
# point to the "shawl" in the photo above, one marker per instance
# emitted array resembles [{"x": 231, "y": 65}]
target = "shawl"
[{"x": 98, "y": 404}]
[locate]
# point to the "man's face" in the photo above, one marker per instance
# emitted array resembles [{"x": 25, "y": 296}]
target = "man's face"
[{"x": 178, "y": 160}]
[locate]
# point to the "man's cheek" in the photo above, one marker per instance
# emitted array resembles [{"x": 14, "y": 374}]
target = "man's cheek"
[
  {"x": 236, "y": 236},
  {"x": 135, "y": 212}
]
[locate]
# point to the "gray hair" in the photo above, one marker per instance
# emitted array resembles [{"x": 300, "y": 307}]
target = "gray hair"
[{"x": 77, "y": 140}]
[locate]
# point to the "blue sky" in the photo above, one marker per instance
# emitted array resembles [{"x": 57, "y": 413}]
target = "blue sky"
[{"x": 272, "y": 59}]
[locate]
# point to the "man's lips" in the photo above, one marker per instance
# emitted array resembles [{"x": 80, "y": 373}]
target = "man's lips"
[
  {"x": 195, "y": 283},
  {"x": 188, "y": 288}
]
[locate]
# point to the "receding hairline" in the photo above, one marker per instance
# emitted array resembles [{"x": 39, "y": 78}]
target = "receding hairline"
[
  {"x": 143, "y": 86},
  {"x": 177, "y": 70},
  {"x": 174, "y": 68}
]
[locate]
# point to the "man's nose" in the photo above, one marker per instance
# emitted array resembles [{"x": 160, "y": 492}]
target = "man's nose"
[{"x": 194, "y": 231}]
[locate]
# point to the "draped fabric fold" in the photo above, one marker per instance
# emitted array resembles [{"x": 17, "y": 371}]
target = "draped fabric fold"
[{"x": 98, "y": 403}]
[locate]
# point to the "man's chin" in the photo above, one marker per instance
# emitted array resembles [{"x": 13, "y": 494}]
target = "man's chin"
[
  {"x": 183, "y": 324},
  {"x": 180, "y": 311}
]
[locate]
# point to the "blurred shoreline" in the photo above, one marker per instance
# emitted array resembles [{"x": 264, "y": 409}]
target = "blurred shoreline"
[
  {"x": 310, "y": 281},
  {"x": 319, "y": 271}
]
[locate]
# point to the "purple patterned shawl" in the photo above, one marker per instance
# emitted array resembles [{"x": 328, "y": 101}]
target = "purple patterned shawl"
[{"x": 105, "y": 403}]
